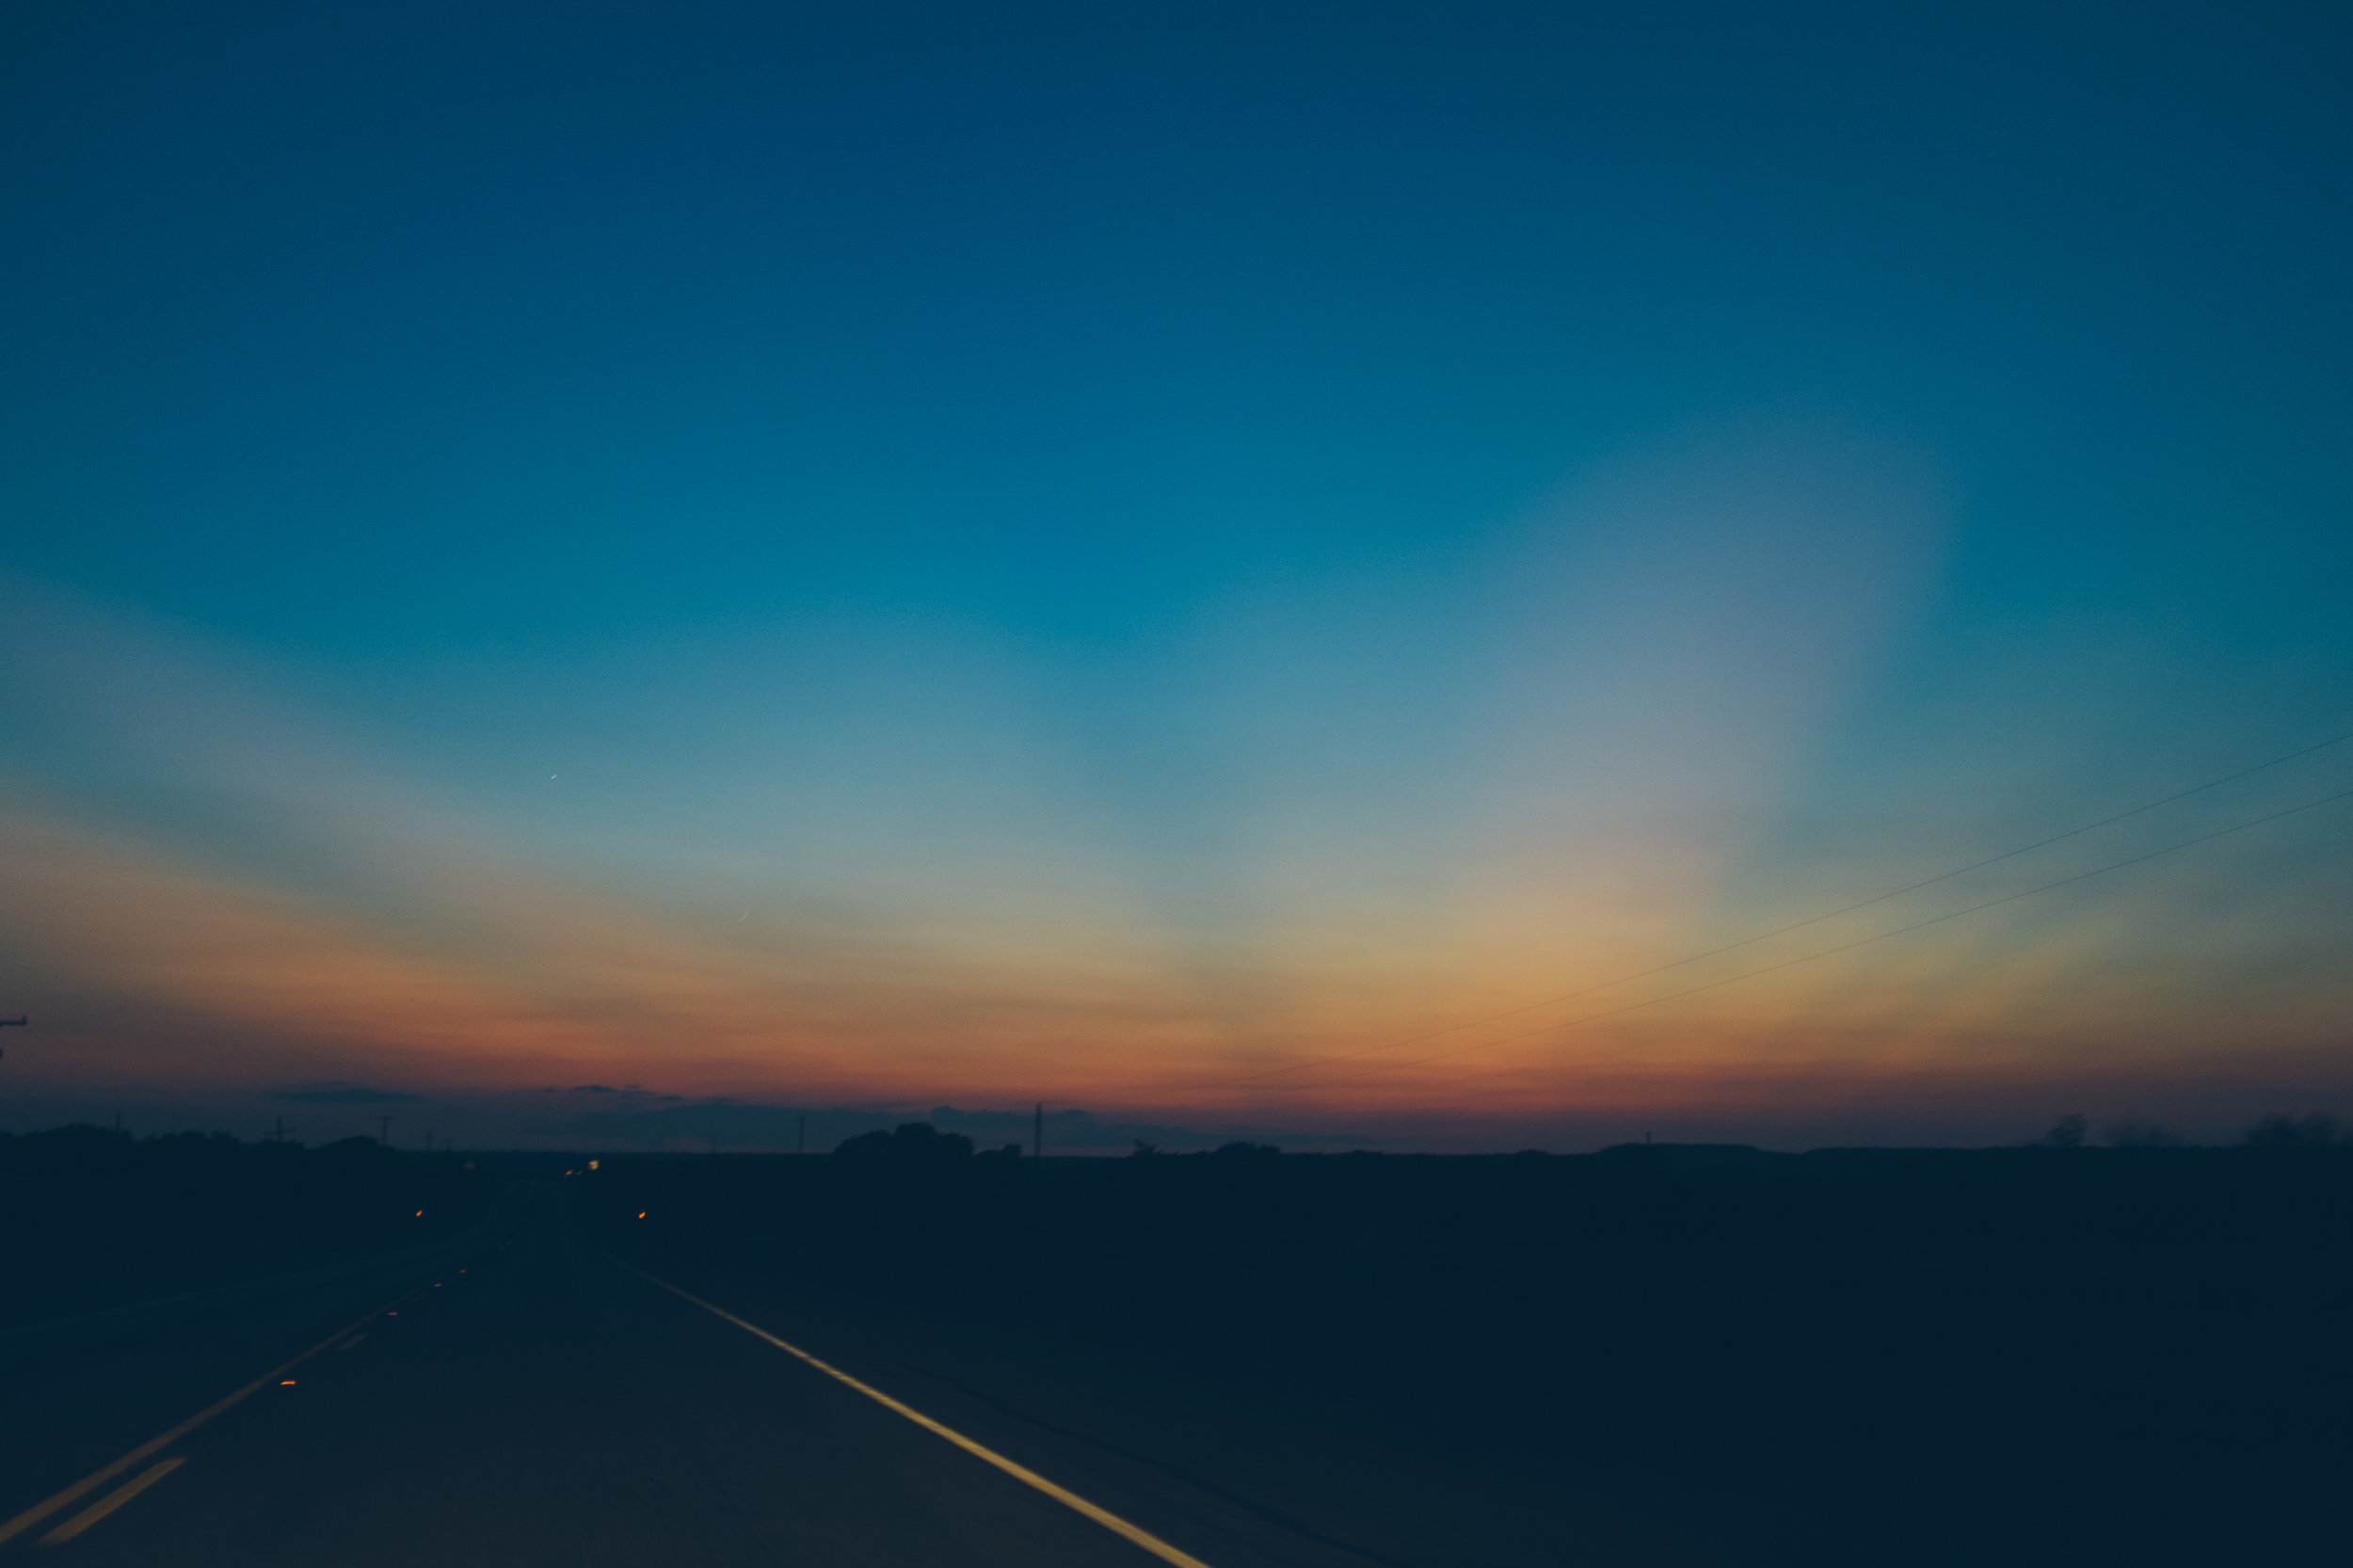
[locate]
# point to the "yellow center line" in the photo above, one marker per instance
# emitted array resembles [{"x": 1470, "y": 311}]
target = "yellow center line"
[
  {"x": 112, "y": 1500},
  {"x": 1102, "y": 1516},
  {"x": 97, "y": 1478}
]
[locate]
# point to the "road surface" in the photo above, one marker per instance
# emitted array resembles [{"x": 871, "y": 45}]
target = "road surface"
[{"x": 531, "y": 1401}]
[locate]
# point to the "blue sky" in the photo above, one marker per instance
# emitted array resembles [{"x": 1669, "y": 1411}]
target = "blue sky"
[{"x": 1150, "y": 542}]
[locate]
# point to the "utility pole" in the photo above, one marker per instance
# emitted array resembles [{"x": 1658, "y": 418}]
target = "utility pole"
[
  {"x": 384, "y": 1131},
  {"x": 279, "y": 1131},
  {"x": 1037, "y": 1131}
]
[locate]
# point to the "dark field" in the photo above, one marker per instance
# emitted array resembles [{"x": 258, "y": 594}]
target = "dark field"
[
  {"x": 2034, "y": 1354},
  {"x": 91, "y": 1219}
]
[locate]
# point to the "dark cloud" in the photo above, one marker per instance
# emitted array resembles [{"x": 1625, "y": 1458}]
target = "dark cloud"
[
  {"x": 785, "y": 1127},
  {"x": 1082, "y": 1131},
  {"x": 773, "y": 1127},
  {"x": 341, "y": 1094}
]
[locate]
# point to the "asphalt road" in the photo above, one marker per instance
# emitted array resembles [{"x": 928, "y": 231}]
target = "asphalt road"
[{"x": 538, "y": 1402}]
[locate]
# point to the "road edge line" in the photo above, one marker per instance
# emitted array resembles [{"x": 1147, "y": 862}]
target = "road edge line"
[
  {"x": 1134, "y": 1535},
  {"x": 113, "y": 1500},
  {"x": 98, "y": 1477}
]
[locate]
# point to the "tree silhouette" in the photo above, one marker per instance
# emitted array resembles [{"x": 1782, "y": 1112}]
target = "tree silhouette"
[
  {"x": 2277, "y": 1132},
  {"x": 2068, "y": 1131},
  {"x": 910, "y": 1144}
]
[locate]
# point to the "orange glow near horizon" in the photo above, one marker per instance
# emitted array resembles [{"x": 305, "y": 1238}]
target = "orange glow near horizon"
[{"x": 922, "y": 898}]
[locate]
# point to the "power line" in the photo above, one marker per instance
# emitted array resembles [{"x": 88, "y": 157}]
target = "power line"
[
  {"x": 1812, "y": 920},
  {"x": 1847, "y": 947}
]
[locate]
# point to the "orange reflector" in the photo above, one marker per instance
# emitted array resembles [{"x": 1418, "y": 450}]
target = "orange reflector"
[
  {"x": 286, "y": 1382},
  {"x": 641, "y": 1213}
]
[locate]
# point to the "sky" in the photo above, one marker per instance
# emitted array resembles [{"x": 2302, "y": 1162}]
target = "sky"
[{"x": 618, "y": 573}]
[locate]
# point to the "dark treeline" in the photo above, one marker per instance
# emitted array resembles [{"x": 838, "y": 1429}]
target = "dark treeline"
[
  {"x": 91, "y": 1218},
  {"x": 2287, "y": 1186},
  {"x": 2144, "y": 1342},
  {"x": 911, "y": 1202}
]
